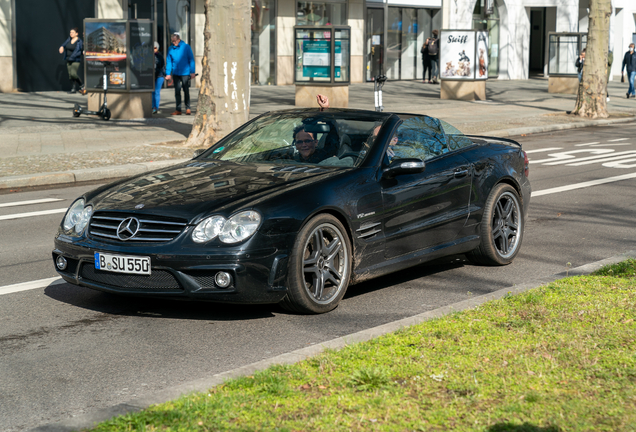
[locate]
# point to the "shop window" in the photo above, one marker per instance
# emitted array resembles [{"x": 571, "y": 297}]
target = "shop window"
[
  {"x": 263, "y": 55},
  {"x": 486, "y": 17},
  {"x": 321, "y": 13}
]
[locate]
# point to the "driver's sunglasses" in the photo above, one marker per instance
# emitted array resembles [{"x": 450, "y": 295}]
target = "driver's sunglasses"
[{"x": 307, "y": 141}]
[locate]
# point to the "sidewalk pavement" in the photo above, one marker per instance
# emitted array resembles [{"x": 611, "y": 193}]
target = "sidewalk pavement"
[{"x": 41, "y": 143}]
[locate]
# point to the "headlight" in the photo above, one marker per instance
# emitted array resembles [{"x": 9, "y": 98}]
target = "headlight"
[
  {"x": 83, "y": 219},
  {"x": 207, "y": 229},
  {"x": 240, "y": 226},
  {"x": 73, "y": 214},
  {"x": 233, "y": 230}
]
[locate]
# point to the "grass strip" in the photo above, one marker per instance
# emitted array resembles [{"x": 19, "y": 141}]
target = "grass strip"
[{"x": 561, "y": 357}]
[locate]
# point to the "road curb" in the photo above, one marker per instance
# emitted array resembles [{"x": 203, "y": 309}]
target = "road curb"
[
  {"x": 83, "y": 175},
  {"x": 119, "y": 171},
  {"x": 504, "y": 133},
  {"x": 88, "y": 420}
]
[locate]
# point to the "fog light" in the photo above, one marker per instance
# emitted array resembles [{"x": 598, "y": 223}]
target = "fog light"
[
  {"x": 223, "y": 279},
  {"x": 60, "y": 262}
]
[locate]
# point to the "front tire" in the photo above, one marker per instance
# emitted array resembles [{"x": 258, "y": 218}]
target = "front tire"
[
  {"x": 501, "y": 228},
  {"x": 319, "y": 267}
]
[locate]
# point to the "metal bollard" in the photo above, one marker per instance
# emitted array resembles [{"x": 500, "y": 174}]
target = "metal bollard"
[{"x": 378, "y": 83}]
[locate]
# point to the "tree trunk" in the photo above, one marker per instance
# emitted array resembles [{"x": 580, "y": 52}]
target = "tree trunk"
[
  {"x": 224, "y": 94},
  {"x": 591, "y": 100}
]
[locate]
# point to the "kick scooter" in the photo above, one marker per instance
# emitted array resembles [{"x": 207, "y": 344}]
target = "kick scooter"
[{"x": 103, "y": 112}]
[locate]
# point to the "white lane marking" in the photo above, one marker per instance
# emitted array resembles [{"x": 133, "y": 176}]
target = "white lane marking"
[
  {"x": 568, "y": 156},
  {"x": 26, "y": 286},
  {"x": 600, "y": 157},
  {"x": 543, "y": 150},
  {"x": 38, "y": 201},
  {"x": 587, "y": 144},
  {"x": 613, "y": 145},
  {"x": 583, "y": 185},
  {"x": 620, "y": 139},
  {"x": 30, "y": 214}
]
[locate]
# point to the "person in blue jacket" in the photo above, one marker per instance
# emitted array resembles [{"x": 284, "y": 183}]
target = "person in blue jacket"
[
  {"x": 72, "y": 48},
  {"x": 180, "y": 66}
]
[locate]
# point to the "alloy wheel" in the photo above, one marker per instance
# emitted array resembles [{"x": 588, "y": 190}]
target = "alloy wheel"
[
  {"x": 506, "y": 225},
  {"x": 325, "y": 263}
]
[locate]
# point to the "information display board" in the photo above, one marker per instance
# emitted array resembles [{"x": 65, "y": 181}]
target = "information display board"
[
  {"x": 105, "y": 42},
  {"x": 142, "y": 57},
  {"x": 126, "y": 47},
  {"x": 464, "y": 54},
  {"x": 322, "y": 54},
  {"x": 481, "y": 53}
]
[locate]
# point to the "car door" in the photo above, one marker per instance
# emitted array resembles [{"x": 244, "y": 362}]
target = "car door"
[{"x": 428, "y": 209}]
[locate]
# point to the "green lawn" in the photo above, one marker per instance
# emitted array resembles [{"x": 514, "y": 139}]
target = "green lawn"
[{"x": 557, "y": 358}]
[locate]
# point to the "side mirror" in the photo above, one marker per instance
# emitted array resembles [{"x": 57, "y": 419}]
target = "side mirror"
[
  {"x": 198, "y": 152},
  {"x": 404, "y": 166}
]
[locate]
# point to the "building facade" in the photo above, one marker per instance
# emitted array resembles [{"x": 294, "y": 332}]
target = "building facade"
[
  {"x": 519, "y": 29},
  {"x": 386, "y": 35}
]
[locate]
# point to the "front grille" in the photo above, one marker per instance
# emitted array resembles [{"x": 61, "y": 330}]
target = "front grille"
[
  {"x": 157, "y": 280},
  {"x": 152, "y": 228}
]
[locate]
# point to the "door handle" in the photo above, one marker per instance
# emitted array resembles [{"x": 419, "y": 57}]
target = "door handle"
[{"x": 461, "y": 173}]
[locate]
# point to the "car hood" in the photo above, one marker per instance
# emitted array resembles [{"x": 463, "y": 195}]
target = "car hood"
[{"x": 194, "y": 188}]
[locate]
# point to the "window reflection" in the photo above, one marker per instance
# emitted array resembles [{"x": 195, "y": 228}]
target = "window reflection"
[
  {"x": 263, "y": 56},
  {"x": 320, "y": 13}
]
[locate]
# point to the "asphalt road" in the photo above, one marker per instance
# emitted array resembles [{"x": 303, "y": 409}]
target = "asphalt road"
[{"x": 66, "y": 350}]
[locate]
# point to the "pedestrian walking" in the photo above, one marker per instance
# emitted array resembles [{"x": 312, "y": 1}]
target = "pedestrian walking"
[
  {"x": 160, "y": 75},
  {"x": 580, "y": 62},
  {"x": 73, "y": 49},
  {"x": 426, "y": 62},
  {"x": 433, "y": 54},
  {"x": 180, "y": 68},
  {"x": 629, "y": 63}
]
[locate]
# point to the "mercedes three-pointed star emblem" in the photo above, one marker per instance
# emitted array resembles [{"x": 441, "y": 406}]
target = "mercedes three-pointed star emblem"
[{"x": 128, "y": 228}]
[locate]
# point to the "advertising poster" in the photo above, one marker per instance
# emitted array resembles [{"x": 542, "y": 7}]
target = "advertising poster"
[
  {"x": 316, "y": 58},
  {"x": 457, "y": 56},
  {"x": 482, "y": 55},
  {"x": 105, "y": 42},
  {"x": 142, "y": 58}
]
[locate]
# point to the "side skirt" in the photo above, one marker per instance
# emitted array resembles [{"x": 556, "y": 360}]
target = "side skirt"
[{"x": 458, "y": 246}]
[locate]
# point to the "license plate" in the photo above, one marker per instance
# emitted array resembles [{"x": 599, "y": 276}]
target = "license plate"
[{"x": 122, "y": 264}]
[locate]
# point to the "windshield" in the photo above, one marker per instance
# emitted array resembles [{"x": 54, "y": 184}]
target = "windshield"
[{"x": 309, "y": 137}]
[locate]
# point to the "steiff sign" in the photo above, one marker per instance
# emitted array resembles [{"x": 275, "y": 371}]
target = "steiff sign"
[{"x": 464, "y": 55}]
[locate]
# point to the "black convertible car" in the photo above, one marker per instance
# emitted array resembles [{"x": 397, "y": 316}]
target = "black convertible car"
[{"x": 295, "y": 206}]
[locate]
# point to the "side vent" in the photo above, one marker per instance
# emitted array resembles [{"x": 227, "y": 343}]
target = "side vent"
[{"x": 368, "y": 229}]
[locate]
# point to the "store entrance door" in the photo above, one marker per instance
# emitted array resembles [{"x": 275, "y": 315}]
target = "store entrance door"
[{"x": 375, "y": 43}]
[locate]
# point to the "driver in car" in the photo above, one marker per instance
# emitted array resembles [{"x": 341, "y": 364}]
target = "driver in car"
[{"x": 306, "y": 145}]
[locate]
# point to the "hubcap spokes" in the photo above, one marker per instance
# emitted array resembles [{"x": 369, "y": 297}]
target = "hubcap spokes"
[
  {"x": 323, "y": 263},
  {"x": 505, "y": 225}
]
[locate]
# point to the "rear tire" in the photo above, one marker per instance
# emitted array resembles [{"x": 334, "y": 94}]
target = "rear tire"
[
  {"x": 319, "y": 267},
  {"x": 501, "y": 228}
]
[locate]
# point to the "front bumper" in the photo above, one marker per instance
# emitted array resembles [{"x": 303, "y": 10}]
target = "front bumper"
[{"x": 258, "y": 275}]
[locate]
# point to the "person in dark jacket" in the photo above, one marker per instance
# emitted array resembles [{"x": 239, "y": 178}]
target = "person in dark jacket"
[
  {"x": 426, "y": 62},
  {"x": 580, "y": 62},
  {"x": 180, "y": 64},
  {"x": 629, "y": 62},
  {"x": 160, "y": 75},
  {"x": 73, "y": 49},
  {"x": 433, "y": 54}
]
